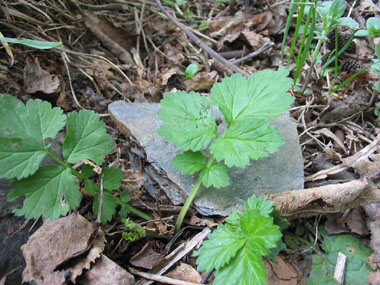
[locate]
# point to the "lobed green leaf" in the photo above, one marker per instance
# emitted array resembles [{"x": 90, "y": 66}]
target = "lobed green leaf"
[
  {"x": 189, "y": 162},
  {"x": 112, "y": 179},
  {"x": 245, "y": 268},
  {"x": 189, "y": 121},
  {"x": 263, "y": 95},
  {"x": 250, "y": 138},
  {"x": 260, "y": 231},
  {"x": 51, "y": 192},
  {"x": 86, "y": 138},
  {"x": 215, "y": 175},
  {"x": 220, "y": 248},
  {"x": 23, "y": 130},
  {"x": 264, "y": 206},
  {"x": 108, "y": 208}
]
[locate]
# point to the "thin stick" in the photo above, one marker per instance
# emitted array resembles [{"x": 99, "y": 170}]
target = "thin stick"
[
  {"x": 160, "y": 278},
  {"x": 253, "y": 54},
  {"x": 201, "y": 44},
  {"x": 99, "y": 217}
]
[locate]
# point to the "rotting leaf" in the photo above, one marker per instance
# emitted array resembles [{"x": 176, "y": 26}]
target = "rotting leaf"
[{"x": 52, "y": 245}]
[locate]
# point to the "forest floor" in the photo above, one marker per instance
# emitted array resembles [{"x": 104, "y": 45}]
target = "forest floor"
[{"x": 129, "y": 50}]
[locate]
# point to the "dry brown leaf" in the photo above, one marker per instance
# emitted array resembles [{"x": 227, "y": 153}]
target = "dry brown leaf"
[
  {"x": 208, "y": 222},
  {"x": 254, "y": 39},
  {"x": 167, "y": 73},
  {"x": 37, "y": 79},
  {"x": 185, "y": 272},
  {"x": 227, "y": 28},
  {"x": 201, "y": 81},
  {"x": 105, "y": 271},
  {"x": 54, "y": 244},
  {"x": 147, "y": 258},
  {"x": 281, "y": 272}
]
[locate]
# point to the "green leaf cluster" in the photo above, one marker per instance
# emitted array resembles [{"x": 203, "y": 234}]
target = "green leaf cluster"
[
  {"x": 235, "y": 249},
  {"x": 357, "y": 269},
  {"x": 52, "y": 190},
  {"x": 246, "y": 104}
]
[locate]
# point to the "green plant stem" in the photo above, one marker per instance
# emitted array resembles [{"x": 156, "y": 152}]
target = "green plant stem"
[
  {"x": 138, "y": 212},
  {"x": 192, "y": 195},
  {"x": 65, "y": 164}
]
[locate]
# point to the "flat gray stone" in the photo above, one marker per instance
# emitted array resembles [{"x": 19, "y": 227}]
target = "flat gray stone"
[{"x": 281, "y": 171}]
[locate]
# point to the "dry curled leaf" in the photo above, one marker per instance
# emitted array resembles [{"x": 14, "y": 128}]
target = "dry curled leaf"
[{"x": 37, "y": 79}]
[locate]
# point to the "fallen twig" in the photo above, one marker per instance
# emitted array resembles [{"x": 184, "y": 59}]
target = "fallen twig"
[{"x": 253, "y": 54}]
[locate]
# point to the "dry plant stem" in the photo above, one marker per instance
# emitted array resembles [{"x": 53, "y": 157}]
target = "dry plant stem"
[
  {"x": 314, "y": 59},
  {"x": 201, "y": 44},
  {"x": 99, "y": 217},
  {"x": 182, "y": 250},
  {"x": 253, "y": 54},
  {"x": 192, "y": 195},
  {"x": 160, "y": 278}
]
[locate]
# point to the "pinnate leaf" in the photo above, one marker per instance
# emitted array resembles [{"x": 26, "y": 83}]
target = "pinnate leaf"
[
  {"x": 51, "y": 192},
  {"x": 189, "y": 121},
  {"x": 235, "y": 250},
  {"x": 215, "y": 175},
  {"x": 86, "y": 138},
  {"x": 189, "y": 162},
  {"x": 250, "y": 138},
  {"x": 23, "y": 130},
  {"x": 263, "y": 95}
]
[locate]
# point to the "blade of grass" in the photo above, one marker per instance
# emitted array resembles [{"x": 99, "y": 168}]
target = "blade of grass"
[
  {"x": 348, "y": 80},
  {"x": 298, "y": 25},
  {"x": 288, "y": 22},
  {"x": 304, "y": 51}
]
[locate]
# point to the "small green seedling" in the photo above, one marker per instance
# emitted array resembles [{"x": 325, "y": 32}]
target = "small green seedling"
[
  {"x": 246, "y": 104},
  {"x": 321, "y": 19},
  {"x": 373, "y": 28},
  {"x": 52, "y": 190},
  {"x": 236, "y": 249},
  {"x": 191, "y": 70}
]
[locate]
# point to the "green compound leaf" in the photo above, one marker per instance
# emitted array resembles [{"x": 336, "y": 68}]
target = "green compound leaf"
[
  {"x": 86, "y": 138},
  {"x": 263, "y": 95},
  {"x": 235, "y": 250},
  {"x": 189, "y": 121},
  {"x": 109, "y": 206},
  {"x": 189, "y": 162},
  {"x": 250, "y": 138},
  {"x": 215, "y": 175},
  {"x": 261, "y": 233},
  {"x": 373, "y": 26},
  {"x": 51, "y": 192},
  {"x": 357, "y": 269},
  {"x": 23, "y": 130},
  {"x": 113, "y": 177},
  {"x": 246, "y": 268},
  {"x": 221, "y": 246}
]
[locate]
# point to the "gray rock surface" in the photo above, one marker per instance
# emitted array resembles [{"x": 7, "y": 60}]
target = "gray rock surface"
[{"x": 282, "y": 171}]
